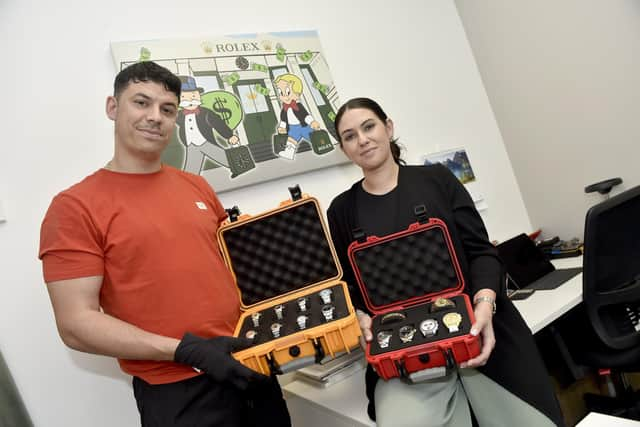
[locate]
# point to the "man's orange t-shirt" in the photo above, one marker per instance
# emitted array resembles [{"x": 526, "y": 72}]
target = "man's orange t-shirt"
[{"x": 153, "y": 239}]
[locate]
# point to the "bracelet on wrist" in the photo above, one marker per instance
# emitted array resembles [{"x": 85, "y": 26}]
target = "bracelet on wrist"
[{"x": 486, "y": 299}]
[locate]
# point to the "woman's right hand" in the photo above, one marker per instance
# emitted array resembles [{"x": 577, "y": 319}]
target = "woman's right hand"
[{"x": 364, "y": 320}]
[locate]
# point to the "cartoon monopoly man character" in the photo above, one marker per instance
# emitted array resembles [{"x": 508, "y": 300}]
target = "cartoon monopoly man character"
[
  {"x": 196, "y": 123},
  {"x": 295, "y": 120}
]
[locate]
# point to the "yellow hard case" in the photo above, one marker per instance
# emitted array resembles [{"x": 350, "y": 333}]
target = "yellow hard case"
[{"x": 277, "y": 258}]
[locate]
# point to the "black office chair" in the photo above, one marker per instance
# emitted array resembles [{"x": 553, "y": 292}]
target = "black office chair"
[
  {"x": 611, "y": 301},
  {"x": 603, "y": 187}
]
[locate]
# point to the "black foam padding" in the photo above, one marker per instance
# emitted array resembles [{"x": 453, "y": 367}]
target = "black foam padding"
[
  {"x": 414, "y": 316},
  {"x": 290, "y": 314},
  {"x": 279, "y": 253},
  {"x": 411, "y": 265}
]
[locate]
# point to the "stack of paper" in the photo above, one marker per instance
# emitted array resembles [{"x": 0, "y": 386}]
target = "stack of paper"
[{"x": 333, "y": 371}]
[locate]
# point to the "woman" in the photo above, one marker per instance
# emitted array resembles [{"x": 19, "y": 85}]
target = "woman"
[{"x": 507, "y": 383}]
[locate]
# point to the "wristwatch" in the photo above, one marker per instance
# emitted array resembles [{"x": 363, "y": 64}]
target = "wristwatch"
[
  {"x": 488, "y": 299},
  {"x": 452, "y": 321},
  {"x": 442, "y": 304},
  {"x": 406, "y": 333},
  {"x": 429, "y": 327},
  {"x": 384, "y": 337}
]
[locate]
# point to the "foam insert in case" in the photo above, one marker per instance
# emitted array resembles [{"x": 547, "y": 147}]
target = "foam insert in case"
[
  {"x": 413, "y": 284},
  {"x": 294, "y": 305}
]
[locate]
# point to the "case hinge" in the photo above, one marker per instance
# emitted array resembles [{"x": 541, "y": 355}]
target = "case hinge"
[
  {"x": 233, "y": 213},
  {"x": 359, "y": 235},
  {"x": 296, "y": 192},
  {"x": 420, "y": 212}
]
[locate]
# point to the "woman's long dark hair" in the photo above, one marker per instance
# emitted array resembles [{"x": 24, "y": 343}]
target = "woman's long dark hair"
[{"x": 373, "y": 106}]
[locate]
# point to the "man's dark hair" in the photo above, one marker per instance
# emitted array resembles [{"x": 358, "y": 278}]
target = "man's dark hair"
[{"x": 147, "y": 71}]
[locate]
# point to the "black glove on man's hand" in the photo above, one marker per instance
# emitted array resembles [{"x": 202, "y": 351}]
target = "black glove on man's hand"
[{"x": 213, "y": 356}]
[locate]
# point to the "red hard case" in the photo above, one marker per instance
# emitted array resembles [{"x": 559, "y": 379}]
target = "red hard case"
[{"x": 406, "y": 272}]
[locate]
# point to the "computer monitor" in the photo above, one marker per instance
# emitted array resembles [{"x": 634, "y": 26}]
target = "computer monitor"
[{"x": 528, "y": 267}]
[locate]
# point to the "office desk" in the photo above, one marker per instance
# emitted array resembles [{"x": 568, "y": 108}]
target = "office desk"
[
  {"x": 594, "y": 419},
  {"x": 543, "y": 307},
  {"x": 344, "y": 404}
]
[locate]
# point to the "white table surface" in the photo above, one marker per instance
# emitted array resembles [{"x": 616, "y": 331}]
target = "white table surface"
[
  {"x": 345, "y": 402},
  {"x": 543, "y": 307},
  {"x": 594, "y": 419}
]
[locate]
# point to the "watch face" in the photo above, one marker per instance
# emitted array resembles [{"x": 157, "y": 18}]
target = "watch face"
[
  {"x": 275, "y": 329},
  {"x": 383, "y": 338},
  {"x": 452, "y": 321},
  {"x": 325, "y": 296},
  {"x": 406, "y": 333},
  {"x": 327, "y": 312},
  {"x": 255, "y": 318},
  {"x": 302, "y": 321},
  {"x": 429, "y": 327},
  {"x": 279, "y": 309},
  {"x": 242, "y": 62},
  {"x": 442, "y": 304}
]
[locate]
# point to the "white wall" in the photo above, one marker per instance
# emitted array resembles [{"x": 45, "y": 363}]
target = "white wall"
[
  {"x": 563, "y": 80},
  {"x": 57, "y": 70}
]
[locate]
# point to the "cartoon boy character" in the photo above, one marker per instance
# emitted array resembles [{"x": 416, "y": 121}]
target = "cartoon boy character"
[
  {"x": 295, "y": 120},
  {"x": 195, "y": 124}
]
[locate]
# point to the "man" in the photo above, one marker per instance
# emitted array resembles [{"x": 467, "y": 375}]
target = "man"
[
  {"x": 197, "y": 124},
  {"x": 295, "y": 121},
  {"x": 133, "y": 271}
]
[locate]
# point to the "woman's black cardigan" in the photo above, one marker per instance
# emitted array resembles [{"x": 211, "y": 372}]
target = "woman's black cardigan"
[{"x": 515, "y": 362}]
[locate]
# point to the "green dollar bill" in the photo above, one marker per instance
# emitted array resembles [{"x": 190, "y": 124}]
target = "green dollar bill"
[
  {"x": 259, "y": 67},
  {"x": 332, "y": 116},
  {"x": 232, "y": 78},
  {"x": 306, "y": 56},
  {"x": 322, "y": 88},
  {"x": 145, "y": 54},
  {"x": 261, "y": 90},
  {"x": 280, "y": 53}
]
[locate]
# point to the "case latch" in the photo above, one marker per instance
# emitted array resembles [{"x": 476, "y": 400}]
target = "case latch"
[
  {"x": 359, "y": 235},
  {"x": 296, "y": 193},
  {"x": 402, "y": 371},
  {"x": 233, "y": 213},
  {"x": 318, "y": 350},
  {"x": 420, "y": 212},
  {"x": 451, "y": 361},
  {"x": 273, "y": 365}
]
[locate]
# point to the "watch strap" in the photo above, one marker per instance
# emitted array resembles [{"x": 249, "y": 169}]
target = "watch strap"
[{"x": 487, "y": 299}]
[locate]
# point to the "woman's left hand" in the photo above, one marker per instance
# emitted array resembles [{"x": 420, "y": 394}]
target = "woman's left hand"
[{"x": 484, "y": 327}]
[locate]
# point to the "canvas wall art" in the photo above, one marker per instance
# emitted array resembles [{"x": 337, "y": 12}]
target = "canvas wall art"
[
  {"x": 456, "y": 160},
  {"x": 254, "y": 107}
]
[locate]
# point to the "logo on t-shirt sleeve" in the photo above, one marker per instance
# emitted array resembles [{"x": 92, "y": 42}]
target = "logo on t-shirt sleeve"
[{"x": 201, "y": 205}]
